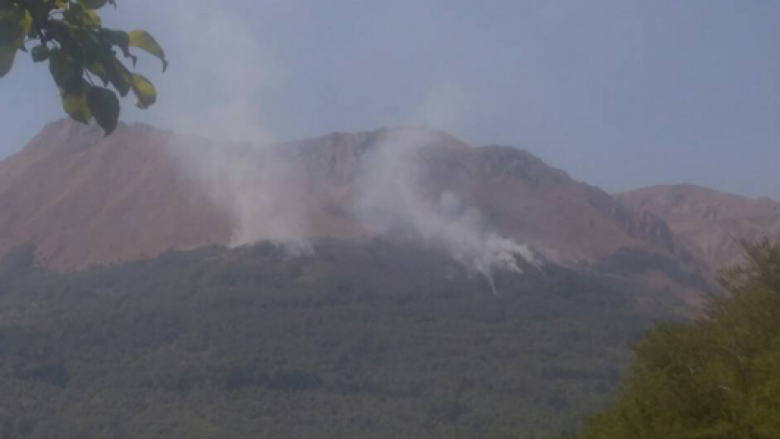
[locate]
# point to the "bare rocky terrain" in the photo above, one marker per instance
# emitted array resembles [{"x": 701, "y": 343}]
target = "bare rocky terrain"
[
  {"x": 83, "y": 199},
  {"x": 710, "y": 223}
]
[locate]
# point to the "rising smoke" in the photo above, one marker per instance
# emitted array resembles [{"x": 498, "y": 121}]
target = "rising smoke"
[
  {"x": 261, "y": 190},
  {"x": 390, "y": 197},
  {"x": 265, "y": 189}
]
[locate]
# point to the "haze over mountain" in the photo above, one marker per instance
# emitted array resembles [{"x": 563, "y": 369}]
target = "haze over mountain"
[
  {"x": 362, "y": 316},
  {"x": 83, "y": 199},
  {"x": 709, "y": 222}
]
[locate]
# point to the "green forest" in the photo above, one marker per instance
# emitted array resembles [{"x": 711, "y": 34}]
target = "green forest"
[
  {"x": 379, "y": 339},
  {"x": 717, "y": 377}
]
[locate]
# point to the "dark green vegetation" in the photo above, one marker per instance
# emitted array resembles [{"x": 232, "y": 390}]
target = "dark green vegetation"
[
  {"x": 379, "y": 340},
  {"x": 715, "y": 378},
  {"x": 80, "y": 51},
  {"x": 633, "y": 261}
]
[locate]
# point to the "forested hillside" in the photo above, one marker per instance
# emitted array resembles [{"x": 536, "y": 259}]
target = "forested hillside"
[
  {"x": 714, "y": 378},
  {"x": 379, "y": 339}
]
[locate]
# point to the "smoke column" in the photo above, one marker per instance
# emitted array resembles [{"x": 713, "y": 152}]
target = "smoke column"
[
  {"x": 390, "y": 198},
  {"x": 265, "y": 190}
]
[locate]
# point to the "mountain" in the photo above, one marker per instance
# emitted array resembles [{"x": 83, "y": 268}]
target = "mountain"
[
  {"x": 368, "y": 314},
  {"x": 710, "y": 223},
  {"x": 85, "y": 199}
]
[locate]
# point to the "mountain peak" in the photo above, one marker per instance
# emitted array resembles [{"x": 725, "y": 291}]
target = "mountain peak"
[
  {"x": 83, "y": 198},
  {"x": 419, "y": 136},
  {"x": 69, "y": 136},
  {"x": 710, "y": 222}
]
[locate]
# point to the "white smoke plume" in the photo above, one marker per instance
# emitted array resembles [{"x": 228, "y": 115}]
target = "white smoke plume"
[
  {"x": 266, "y": 191},
  {"x": 222, "y": 74},
  {"x": 263, "y": 189},
  {"x": 444, "y": 107},
  {"x": 220, "y": 56},
  {"x": 390, "y": 198}
]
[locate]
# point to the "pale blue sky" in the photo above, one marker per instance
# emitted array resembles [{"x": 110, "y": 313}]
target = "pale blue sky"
[{"x": 619, "y": 93}]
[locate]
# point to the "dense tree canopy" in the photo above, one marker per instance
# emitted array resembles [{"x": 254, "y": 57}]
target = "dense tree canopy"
[
  {"x": 370, "y": 340},
  {"x": 715, "y": 378},
  {"x": 81, "y": 53}
]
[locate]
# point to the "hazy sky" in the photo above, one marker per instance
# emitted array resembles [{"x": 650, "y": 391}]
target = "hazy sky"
[{"x": 619, "y": 93}]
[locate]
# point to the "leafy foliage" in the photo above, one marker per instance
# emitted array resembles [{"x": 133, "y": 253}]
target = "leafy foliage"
[
  {"x": 80, "y": 51},
  {"x": 377, "y": 340},
  {"x": 715, "y": 378}
]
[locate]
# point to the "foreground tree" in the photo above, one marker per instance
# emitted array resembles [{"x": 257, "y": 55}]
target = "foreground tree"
[
  {"x": 69, "y": 35},
  {"x": 716, "y": 378}
]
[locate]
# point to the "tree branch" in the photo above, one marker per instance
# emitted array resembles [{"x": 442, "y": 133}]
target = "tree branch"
[{"x": 36, "y": 22}]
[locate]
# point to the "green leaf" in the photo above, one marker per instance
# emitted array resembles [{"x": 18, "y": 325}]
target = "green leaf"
[
  {"x": 60, "y": 31},
  {"x": 116, "y": 38},
  {"x": 15, "y": 23},
  {"x": 64, "y": 69},
  {"x": 74, "y": 102},
  {"x": 7, "y": 55},
  {"x": 27, "y": 22},
  {"x": 58, "y": 4},
  {"x": 145, "y": 91},
  {"x": 9, "y": 24},
  {"x": 120, "y": 39},
  {"x": 93, "y": 48},
  {"x": 93, "y": 4},
  {"x": 99, "y": 70},
  {"x": 74, "y": 14},
  {"x": 40, "y": 53},
  {"x": 118, "y": 75},
  {"x": 91, "y": 18},
  {"x": 104, "y": 105},
  {"x": 145, "y": 41}
]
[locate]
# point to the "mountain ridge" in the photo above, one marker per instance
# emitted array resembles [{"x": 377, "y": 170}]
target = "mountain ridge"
[
  {"x": 85, "y": 199},
  {"x": 710, "y": 222}
]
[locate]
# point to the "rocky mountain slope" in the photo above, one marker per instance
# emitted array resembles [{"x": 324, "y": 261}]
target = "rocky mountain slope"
[
  {"x": 710, "y": 223},
  {"x": 84, "y": 199}
]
